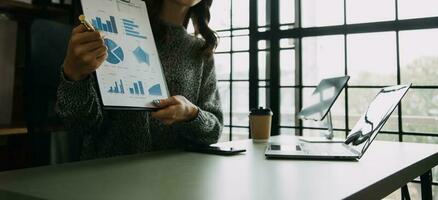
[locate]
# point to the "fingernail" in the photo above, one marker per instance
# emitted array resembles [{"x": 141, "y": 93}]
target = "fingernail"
[{"x": 156, "y": 102}]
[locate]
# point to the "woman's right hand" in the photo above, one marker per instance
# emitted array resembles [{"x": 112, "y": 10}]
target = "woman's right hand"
[{"x": 86, "y": 52}]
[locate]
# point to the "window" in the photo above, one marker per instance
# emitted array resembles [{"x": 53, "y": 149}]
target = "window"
[
  {"x": 230, "y": 19},
  {"x": 273, "y": 53}
]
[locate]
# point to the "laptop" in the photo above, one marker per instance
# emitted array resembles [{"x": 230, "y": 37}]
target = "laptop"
[{"x": 359, "y": 138}]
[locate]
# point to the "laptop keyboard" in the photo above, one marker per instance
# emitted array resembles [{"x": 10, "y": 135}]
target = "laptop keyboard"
[{"x": 323, "y": 149}]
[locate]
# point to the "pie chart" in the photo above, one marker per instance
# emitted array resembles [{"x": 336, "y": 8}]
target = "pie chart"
[{"x": 115, "y": 52}]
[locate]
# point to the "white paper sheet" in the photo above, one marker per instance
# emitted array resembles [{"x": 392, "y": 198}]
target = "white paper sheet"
[{"x": 132, "y": 75}]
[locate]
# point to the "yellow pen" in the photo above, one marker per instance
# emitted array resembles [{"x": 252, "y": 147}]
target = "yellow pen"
[{"x": 86, "y": 24}]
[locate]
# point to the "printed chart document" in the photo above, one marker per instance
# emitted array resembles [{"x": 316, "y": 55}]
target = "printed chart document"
[{"x": 132, "y": 75}]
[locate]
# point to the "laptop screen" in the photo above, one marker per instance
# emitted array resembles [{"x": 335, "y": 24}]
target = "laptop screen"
[{"x": 375, "y": 117}]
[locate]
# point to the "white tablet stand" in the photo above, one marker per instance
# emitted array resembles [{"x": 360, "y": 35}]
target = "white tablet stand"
[{"x": 328, "y": 136}]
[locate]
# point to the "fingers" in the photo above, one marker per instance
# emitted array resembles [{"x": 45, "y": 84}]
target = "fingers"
[
  {"x": 92, "y": 58},
  {"x": 102, "y": 57},
  {"x": 81, "y": 50},
  {"x": 99, "y": 52},
  {"x": 166, "y": 116},
  {"x": 91, "y": 46},
  {"x": 168, "y": 102},
  {"x": 79, "y": 29},
  {"x": 86, "y": 37}
]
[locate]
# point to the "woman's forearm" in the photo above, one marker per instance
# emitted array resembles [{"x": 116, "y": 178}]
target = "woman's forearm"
[{"x": 78, "y": 103}]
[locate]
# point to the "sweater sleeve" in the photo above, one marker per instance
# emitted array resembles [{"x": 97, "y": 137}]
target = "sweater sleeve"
[
  {"x": 207, "y": 126},
  {"x": 78, "y": 104}
]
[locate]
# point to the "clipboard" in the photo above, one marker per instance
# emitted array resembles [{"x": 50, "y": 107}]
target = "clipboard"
[{"x": 132, "y": 75}]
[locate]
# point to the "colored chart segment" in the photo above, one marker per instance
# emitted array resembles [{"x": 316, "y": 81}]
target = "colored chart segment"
[
  {"x": 117, "y": 88},
  {"x": 137, "y": 88},
  {"x": 131, "y": 29},
  {"x": 155, "y": 90},
  {"x": 107, "y": 26},
  {"x": 115, "y": 52},
  {"x": 141, "y": 55}
]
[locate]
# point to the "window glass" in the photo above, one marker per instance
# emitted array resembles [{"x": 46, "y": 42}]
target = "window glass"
[
  {"x": 224, "y": 44},
  {"x": 287, "y": 105},
  {"x": 224, "y": 92},
  {"x": 287, "y": 67},
  {"x": 240, "y": 103},
  {"x": 222, "y": 65},
  {"x": 417, "y": 8},
  {"x": 262, "y": 97},
  {"x": 363, "y": 11},
  {"x": 419, "y": 56},
  {"x": 323, "y": 57},
  {"x": 240, "y": 43},
  {"x": 261, "y": 12},
  {"x": 322, "y": 12},
  {"x": 372, "y": 58},
  {"x": 220, "y": 12},
  {"x": 287, "y": 43},
  {"x": 420, "y": 111},
  {"x": 241, "y": 66},
  {"x": 262, "y": 65},
  {"x": 240, "y": 13},
  {"x": 387, "y": 137},
  {"x": 240, "y": 133},
  {"x": 287, "y": 11}
]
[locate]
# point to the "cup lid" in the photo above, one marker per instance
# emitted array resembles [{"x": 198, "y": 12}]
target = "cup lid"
[{"x": 261, "y": 111}]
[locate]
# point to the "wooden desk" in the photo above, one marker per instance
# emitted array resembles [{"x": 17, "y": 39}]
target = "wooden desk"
[{"x": 385, "y": 167}]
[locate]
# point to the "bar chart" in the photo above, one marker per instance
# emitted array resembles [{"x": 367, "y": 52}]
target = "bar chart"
[
  {"x": 117, "y": 88},
  {"x": 108, "y": 26},
  {"x": 137, "y": 88},
  {"x": 131, "y": 29}
]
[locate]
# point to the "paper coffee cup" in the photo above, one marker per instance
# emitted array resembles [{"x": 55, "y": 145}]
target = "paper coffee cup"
[{"x": 260, "y": 124}]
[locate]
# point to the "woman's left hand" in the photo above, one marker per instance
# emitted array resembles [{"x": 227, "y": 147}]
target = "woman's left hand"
[{"x": 175, "y": 109}]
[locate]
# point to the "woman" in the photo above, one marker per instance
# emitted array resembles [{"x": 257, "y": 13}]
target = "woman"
[{"x": 191, "y": 115}]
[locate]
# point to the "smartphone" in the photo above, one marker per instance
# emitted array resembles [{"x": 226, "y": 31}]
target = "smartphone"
[{"x": 215, "y": 150}]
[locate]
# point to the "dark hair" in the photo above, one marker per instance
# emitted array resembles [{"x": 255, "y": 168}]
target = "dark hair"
[{"x": 200, "y": 16}]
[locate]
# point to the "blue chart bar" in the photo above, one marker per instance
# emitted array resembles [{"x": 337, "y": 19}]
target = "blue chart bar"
[
  {"x": 137, "y": 88},
  {"x": 140, "y": 84},
  {"x": 117, "y": 88},
  {"x": 122, "y": 90},
  {"x": 132, "y": 32},
  {"x": 99, "y": 23},
  {"x": 128, "y": 21},
  {"x": 108, "y": 26},
  {"x": 131, "y": 29}
]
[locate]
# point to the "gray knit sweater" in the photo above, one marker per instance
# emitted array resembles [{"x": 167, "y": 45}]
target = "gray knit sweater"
[{"x": 106, "y": 133}]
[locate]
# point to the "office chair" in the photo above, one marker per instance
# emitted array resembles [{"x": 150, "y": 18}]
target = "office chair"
[{"x": 48, "y": 46}]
